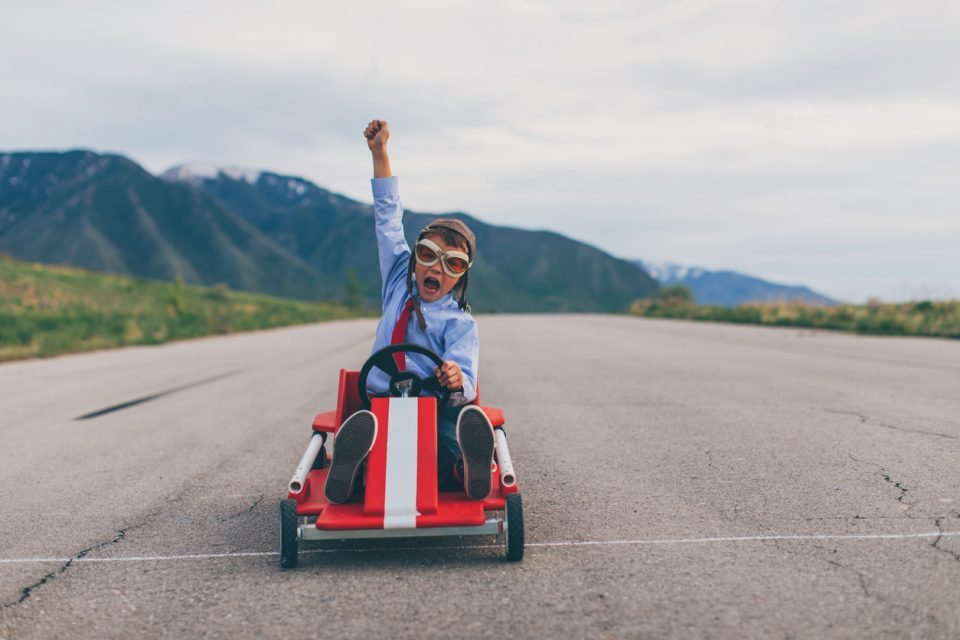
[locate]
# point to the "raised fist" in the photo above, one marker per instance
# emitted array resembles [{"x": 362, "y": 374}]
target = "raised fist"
[{"x": 377, "y": 133}]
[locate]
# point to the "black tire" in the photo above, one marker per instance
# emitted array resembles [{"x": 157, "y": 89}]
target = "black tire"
[
  {"x": 288, "y": 534},
  {"x": 321, "y": 461},
  {"x": 514, "y": 526}
]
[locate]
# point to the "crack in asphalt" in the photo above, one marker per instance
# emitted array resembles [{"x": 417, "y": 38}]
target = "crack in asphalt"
[
  {"x": 26, "y": 592},
  {"x": 899, "y": 485},
  {"x": 860, "y": 576},
  {"x": 936, "y": 543},
  {"x": 865, "y": 419},
  {"x": 883, "y": 473},
  {"x": 243, "y": 512}
]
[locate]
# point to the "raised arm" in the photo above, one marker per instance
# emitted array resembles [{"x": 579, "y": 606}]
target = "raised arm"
[
  {"x": 377, "y": 133},
  {"x": 388, "y": 212}
]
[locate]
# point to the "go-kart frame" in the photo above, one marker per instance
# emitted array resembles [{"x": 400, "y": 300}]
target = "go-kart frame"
[{"x": 399, "y": 496}]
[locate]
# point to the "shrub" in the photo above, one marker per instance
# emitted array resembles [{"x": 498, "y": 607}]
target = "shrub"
[
  {"x": 675, "y": 293},
  {"x": 925, "y": 318}
]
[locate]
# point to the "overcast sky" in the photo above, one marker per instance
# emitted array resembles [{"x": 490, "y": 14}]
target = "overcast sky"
[{"x": 807, "y": 142}]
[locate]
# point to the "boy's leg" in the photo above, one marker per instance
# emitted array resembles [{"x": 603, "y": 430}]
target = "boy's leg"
[{"x": 351, "y": 444}]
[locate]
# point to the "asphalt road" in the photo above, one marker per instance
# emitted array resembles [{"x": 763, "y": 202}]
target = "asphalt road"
[{"x": 679, "y": 480}]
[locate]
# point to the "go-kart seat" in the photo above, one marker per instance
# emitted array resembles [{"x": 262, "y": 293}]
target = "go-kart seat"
[{"x": 348, "y": 403}]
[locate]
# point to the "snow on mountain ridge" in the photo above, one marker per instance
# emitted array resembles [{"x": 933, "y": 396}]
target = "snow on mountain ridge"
[
  {"x": 294, "y": 187},
  {"x": 728, "y": 288},
  {"x": 196, "y": 172},
  {"x": 669, "y": 272}
]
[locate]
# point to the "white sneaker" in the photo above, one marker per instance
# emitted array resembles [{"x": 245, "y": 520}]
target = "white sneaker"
[
  {"x": 353, "y": 441},
  {"x": 475, "y": 436}
]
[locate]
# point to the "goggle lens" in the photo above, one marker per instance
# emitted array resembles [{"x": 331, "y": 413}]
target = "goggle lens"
[
  {"x": 456, "y": 265},
  {"x": 426, "y": 254}
]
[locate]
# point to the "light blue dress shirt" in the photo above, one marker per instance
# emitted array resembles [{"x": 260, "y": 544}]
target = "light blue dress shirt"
[{"x": 451, "y": 332}]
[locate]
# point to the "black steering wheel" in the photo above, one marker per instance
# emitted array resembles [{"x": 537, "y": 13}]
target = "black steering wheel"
[{"x": 402, "y": 383}]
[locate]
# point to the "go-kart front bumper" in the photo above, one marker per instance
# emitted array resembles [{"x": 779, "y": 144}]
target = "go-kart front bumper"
[{"x": 493, "y": 526}]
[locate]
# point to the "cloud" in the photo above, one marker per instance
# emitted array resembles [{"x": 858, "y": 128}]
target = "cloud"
[{"x": 651, "y": 129}]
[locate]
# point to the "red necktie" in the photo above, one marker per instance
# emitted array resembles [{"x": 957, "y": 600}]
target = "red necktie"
[{"x": 400, "y": 333}]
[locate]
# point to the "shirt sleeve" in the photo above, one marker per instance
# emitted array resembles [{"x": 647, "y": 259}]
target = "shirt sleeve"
[
  {"x": 462, "y": 345},
  {"x": 391, "y": 243}
]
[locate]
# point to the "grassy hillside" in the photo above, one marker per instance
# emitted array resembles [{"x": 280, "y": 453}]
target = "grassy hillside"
[
  {"x": 925, "y": 318},
  {"x": 46, "y": 310}
]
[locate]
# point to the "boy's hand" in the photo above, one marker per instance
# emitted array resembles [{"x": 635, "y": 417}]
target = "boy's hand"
[
  {"x": 449, "y": 375},
  {"x": 377, "y": 133}
]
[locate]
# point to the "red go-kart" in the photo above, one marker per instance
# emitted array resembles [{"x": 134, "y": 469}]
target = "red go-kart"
[{"x": 399, "y": 497}]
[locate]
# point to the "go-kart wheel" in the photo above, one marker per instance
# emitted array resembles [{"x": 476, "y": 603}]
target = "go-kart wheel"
[
  {"x": 321, "y": 460},
  {"x": 514, "y": 526},
  {"x": 288, "y": 534}
]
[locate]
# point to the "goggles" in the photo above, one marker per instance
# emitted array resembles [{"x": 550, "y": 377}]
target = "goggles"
[{"x": 454, "y": 263}]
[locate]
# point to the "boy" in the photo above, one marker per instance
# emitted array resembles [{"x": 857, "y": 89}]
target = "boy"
[{"x": 424, "y": 302}]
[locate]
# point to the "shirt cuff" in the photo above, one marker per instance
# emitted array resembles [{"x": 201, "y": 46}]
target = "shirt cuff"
[
  {"x": 385, "y": 186},
  {"x": 469, "y": 391}
]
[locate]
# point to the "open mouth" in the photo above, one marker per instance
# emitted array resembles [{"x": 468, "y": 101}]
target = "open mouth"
[{"x": 431, "y": 285}]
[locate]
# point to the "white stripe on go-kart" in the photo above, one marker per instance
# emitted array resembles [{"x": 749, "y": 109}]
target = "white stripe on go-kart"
[
  {"x": 566, "y": 543},
  {"x": 400, "y": 499}
]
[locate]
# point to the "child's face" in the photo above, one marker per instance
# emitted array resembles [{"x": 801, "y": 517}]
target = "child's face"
[{"x": 432, "y": 282}]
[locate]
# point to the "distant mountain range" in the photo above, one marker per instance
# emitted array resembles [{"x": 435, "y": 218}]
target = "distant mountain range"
[
  {"x": 276, "y": 234},
  {"x": 729, "y": 288}
]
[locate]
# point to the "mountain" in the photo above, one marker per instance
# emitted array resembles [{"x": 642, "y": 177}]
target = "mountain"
[
  {"x": 106, "y": 213},
  {"x": 265, "y": 232},
  {"x": 329, "y": 232},
  {"x": 515, "y": 270},
  {"x": 728, "y": 288}
]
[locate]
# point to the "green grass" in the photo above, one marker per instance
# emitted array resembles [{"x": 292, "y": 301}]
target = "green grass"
[
  {"x": 924, "y": 318},
  {"x": 47, "y": 310}
]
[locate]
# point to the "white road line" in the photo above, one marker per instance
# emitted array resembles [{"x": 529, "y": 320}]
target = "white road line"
[{"x": 566, "y": 543}]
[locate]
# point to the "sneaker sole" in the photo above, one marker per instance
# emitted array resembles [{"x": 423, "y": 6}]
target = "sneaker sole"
[
  {"x": 353, "y": 442},
  {"x": 475, "y": 436}
]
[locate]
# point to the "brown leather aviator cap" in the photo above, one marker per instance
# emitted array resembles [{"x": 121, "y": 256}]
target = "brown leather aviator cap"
[
  {"x": 456, "y": 226},
  {"x": 460, "y": 289}
]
